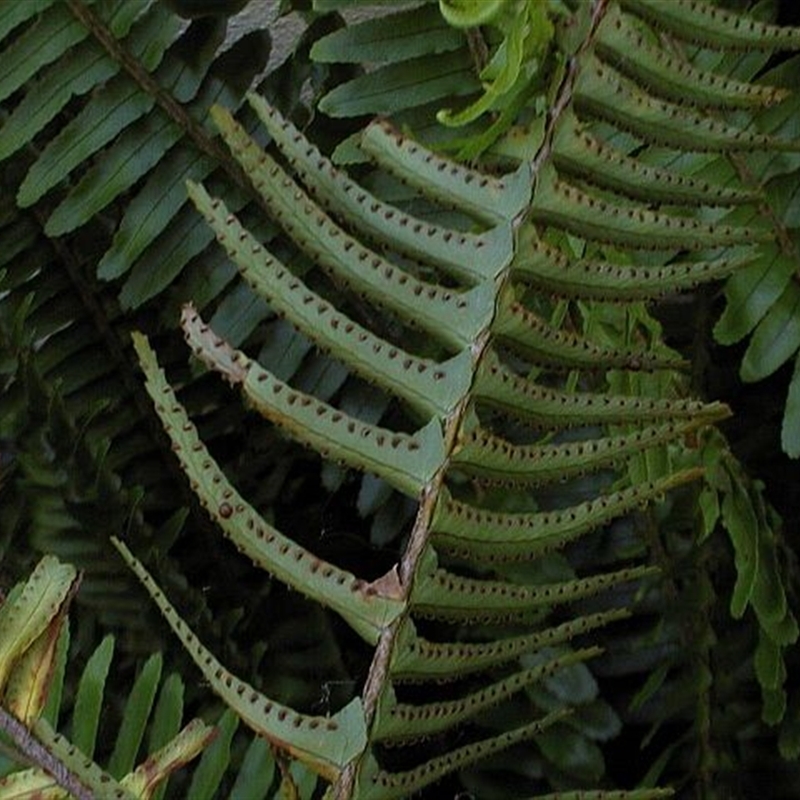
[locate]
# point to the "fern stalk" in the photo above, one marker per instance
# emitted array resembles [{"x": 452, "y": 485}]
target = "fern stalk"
[
  {"x": 419, "y": 538},
  {"x": 41, "y": 756},
  {"x": 165, "y": 100}
]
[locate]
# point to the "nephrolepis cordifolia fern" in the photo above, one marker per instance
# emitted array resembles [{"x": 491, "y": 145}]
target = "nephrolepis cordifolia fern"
[{"x": 604, "y": 210}]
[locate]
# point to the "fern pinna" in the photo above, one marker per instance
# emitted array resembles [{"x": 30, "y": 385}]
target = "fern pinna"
[{"x": 602, "y": 211}]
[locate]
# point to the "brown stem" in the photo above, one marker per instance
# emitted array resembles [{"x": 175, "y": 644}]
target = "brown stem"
[
  {"x": 418, "y": 539},
  {"x": 174, "y": 110},
  {"x": 40, "y": 756}
]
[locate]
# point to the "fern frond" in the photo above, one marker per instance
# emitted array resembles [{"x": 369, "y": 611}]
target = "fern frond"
[
  {"x": 473, "y": 536},
  {"x": 432, "y": 282},
  {"x": 34, "y": 627},
  {"x": 437, "y": 593}
]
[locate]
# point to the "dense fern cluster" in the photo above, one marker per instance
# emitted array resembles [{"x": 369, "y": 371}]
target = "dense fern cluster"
[{"x": 538, "y": 577}]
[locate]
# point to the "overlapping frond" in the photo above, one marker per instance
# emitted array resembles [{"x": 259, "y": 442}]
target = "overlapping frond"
[
  {"x": 484, "y": 332},
  {"x": 35, "y": 642},
  {"x": 103, "y": 116},
  {"x": 151, "y": 742}
]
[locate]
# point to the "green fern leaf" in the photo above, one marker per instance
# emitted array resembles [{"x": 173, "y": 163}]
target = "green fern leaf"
[
  {"x": 135, "y": 716},
  {"x": 118, "y": 105},
  {"x": 444, "y": 595},
  {"x": 460, "y": 530},
  {"x": 430, "y": 387},
  {"x": 88, "y": 67},
  {"x": 39, "y": 46},
  {"x": 600, "y": 92},
  {"x": 790, "y": 430},
  {"x": 399, "y": 721},
  {"x": 89, "y": 698},
  {"x": 376, "y": 783},
  {"x": 576, "y": 152},
  {"x": 396, "y": 37},
  {"x": 713, "y": 26},
  {"x": 672, "y": 77},
  {"x": 500, "y": 388},
  {"x": 494, "y": 200},
  {"x": 775, "y": 339},
  {"x": 395, "y": 87},
  {"x": 565, "y": 206},
  {"x": 418, "y": 659},
  {"x": 214, "y": 761},
  {"x": 540, "y": 343},
  {"x": 326, "y": 744},
  {"x": 456, "y": 317},
  {"x": 492, "y": 459},
  {"x": 367, "y": 607},
  {"x": 454, "y": 251},
  {"x": 437, "y": 291}
]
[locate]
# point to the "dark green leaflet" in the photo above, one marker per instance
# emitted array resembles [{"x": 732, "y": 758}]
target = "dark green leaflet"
[
  {"x": 409, "y": 33},
  {"x": 56, "y": 30}
]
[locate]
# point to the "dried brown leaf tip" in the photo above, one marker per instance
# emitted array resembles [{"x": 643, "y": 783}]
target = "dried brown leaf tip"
[
  {"x": 213, "y": 351},
  {"x": 388, "y": 586}
]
